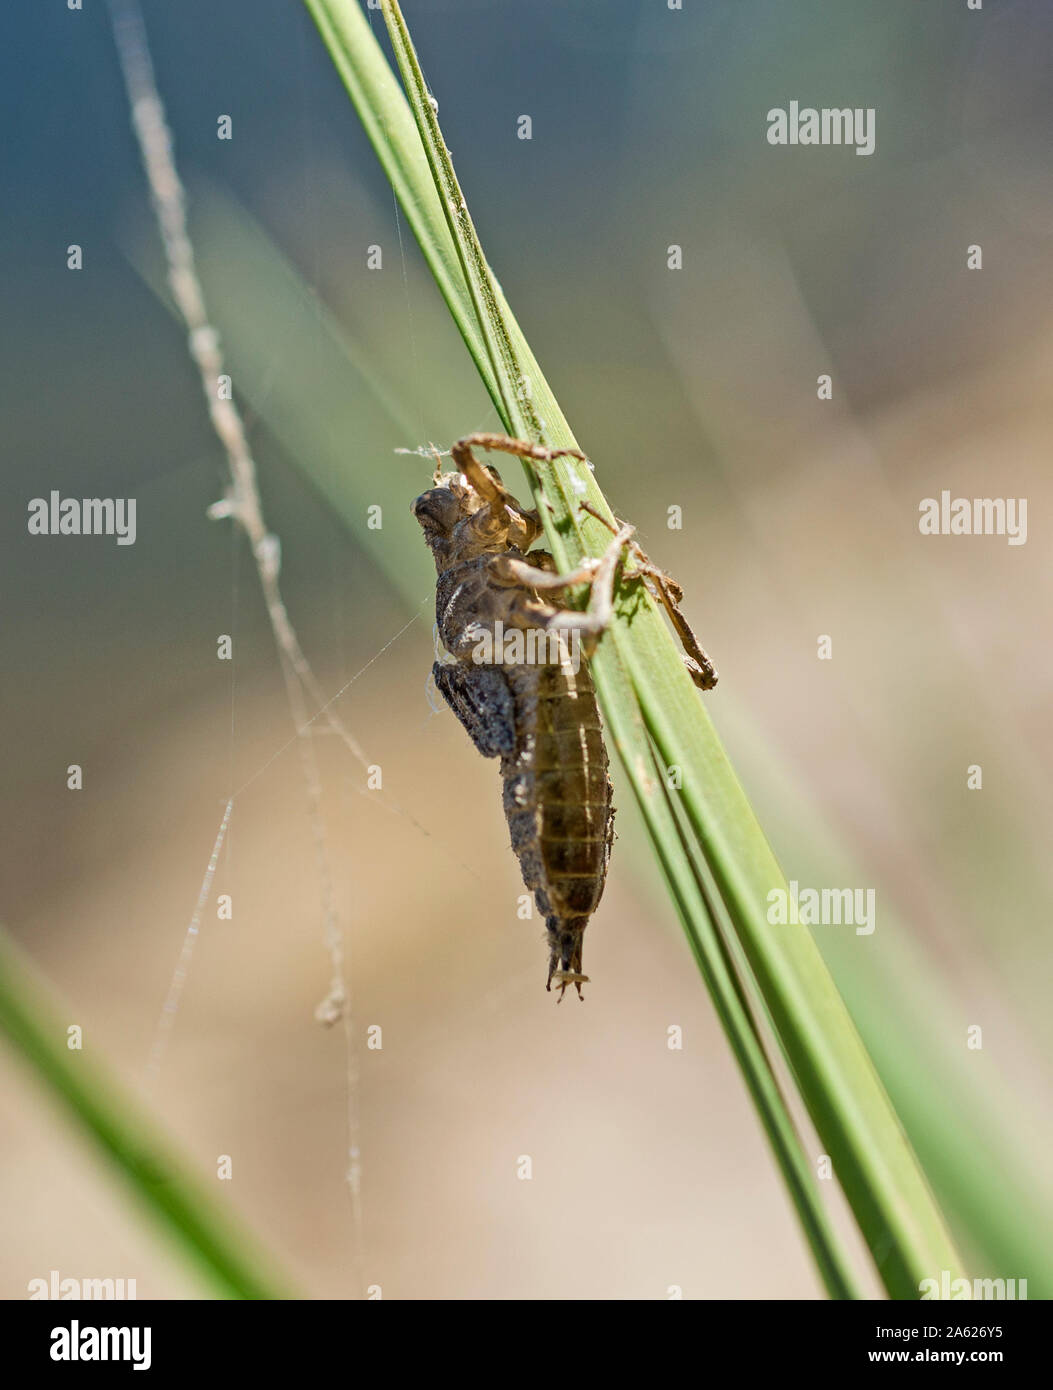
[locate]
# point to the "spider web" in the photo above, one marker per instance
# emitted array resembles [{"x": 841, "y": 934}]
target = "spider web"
[{"x": 309, "y": 706}]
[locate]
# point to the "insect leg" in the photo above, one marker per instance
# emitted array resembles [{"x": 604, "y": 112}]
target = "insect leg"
[
  {"x": 597, "y": 573},
  {"x": 485, "y": 482},
  {"x": 469, "y": 465},
  {"x": 508, "y": 570},
  {"x": 699, "y": 666}
]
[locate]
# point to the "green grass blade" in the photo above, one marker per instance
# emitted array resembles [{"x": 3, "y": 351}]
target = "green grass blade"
[
  {"x": 156, "y": 1176},
  {"x": 505, "y": 378},
  {"x": 388, "y": 123},
  {"x": 651, "y": 707}
]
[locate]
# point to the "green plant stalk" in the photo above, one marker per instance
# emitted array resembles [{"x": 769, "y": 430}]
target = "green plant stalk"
[
  {"x": 877, "y": 1170},
  {"x": 700, "y": 908},
  {"x": 518, "y": 376},
  {"x": 626, "y": 728},
  {"x": 180, "y": 1205},
  {"x": 739, "y": 867},
  {"x": 389, "y": 126}
]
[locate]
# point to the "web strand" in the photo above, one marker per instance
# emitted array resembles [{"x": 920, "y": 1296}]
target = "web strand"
[
  {"x": 242, "y": 503},
  {"x": 175, "y": 989}
]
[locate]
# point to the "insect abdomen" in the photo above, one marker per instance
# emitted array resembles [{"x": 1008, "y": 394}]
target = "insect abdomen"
[{"x": 557, "y": 797}]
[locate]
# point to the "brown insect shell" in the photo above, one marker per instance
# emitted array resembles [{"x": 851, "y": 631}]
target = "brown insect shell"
[{"x": 486, "y": 526}]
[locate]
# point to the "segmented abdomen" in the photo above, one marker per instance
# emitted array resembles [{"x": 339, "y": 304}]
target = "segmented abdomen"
[{"x": 557, "y": 793}]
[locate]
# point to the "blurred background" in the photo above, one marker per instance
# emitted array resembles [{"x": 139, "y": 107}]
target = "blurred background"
[{"x": 694, "y": 387}]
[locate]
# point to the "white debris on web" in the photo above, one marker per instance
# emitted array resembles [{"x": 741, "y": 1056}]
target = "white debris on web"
[{"x": 425, "y": 451}]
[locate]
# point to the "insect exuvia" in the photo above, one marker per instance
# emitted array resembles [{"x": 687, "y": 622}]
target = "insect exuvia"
[{"x": 514, "y": 680}]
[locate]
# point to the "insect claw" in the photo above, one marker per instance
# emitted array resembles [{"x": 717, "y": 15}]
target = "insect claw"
[{"x": 563, "y": 978}]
